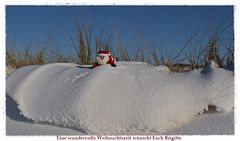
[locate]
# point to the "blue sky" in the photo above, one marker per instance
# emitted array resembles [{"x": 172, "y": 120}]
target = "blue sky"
[{"x": 166, "y": 27}]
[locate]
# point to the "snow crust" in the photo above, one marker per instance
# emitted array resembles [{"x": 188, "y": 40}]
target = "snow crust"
[{"x": 109, "y": 100}]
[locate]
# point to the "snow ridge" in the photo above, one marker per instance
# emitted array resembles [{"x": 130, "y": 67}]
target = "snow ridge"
[{"x": 109, "y": 100}]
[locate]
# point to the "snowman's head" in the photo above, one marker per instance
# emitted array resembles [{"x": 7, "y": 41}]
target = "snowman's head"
[{"x": 103, "y": 57}]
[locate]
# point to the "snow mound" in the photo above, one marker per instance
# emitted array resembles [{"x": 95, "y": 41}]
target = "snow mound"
[{"x": 112, "y": 100}]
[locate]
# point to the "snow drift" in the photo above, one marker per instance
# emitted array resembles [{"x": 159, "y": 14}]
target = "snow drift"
[{"x": 108, "y": 100}]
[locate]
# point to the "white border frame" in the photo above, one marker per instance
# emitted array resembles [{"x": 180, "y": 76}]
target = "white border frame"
[{"x": 3, "y": 3}]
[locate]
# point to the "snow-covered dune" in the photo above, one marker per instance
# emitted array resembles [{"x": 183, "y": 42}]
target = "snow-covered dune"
[{"x": 114, "y": 100}]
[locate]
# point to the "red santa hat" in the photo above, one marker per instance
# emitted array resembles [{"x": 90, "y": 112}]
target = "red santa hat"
[{"x": 104, "y": 53}]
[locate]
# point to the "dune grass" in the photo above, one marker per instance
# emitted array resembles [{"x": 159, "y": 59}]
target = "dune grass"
[{"x": 85, "y": 44}]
